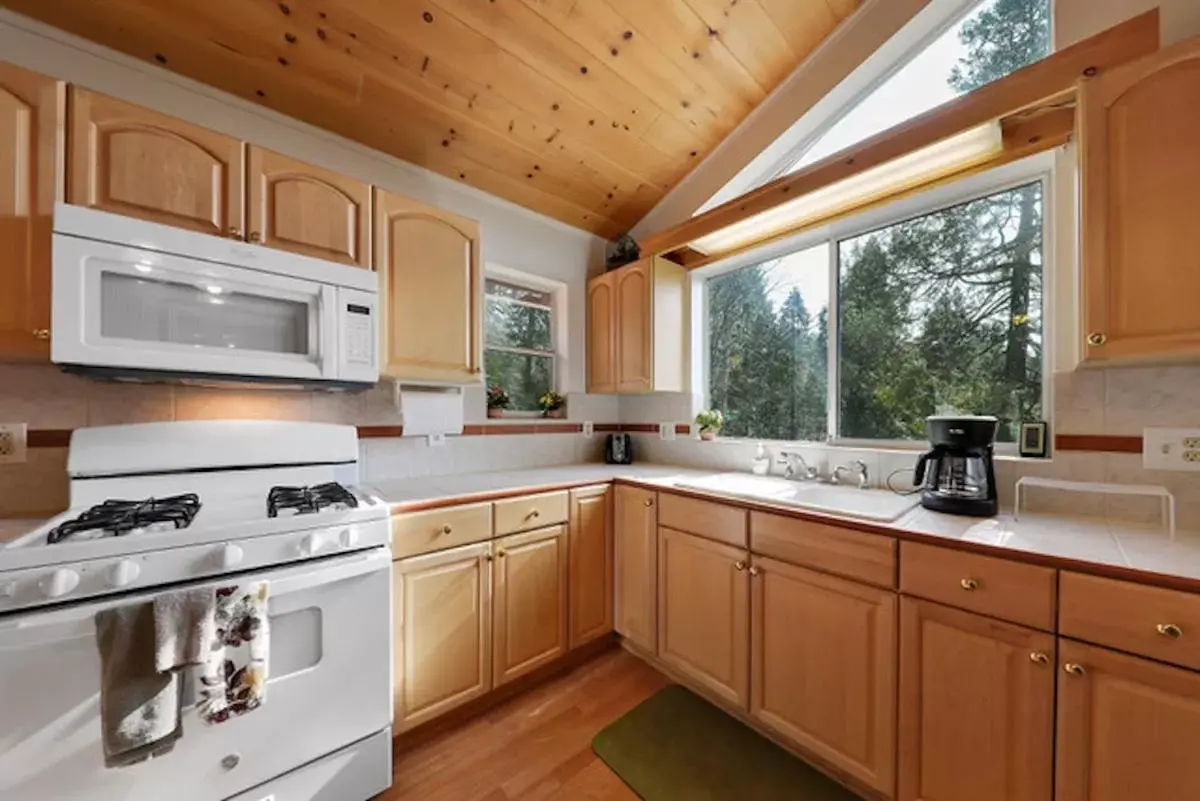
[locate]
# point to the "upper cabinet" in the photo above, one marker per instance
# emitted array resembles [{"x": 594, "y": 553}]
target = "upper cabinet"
[
  {"x": 129, "y": 160},
  {"x": 31, "y": 154},
  {"x": 637, "y": 337},
  {"x": 431, "y": 286},
  {"x": 1140, "y": 168},
  {"x": 308, "y": 210}
]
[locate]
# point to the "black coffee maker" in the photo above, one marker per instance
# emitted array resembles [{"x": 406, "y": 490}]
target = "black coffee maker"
[{"x": 958, "y": 475}]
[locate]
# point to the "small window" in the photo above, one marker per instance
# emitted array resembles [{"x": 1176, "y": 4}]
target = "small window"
[{"x": 519, "y": 353}]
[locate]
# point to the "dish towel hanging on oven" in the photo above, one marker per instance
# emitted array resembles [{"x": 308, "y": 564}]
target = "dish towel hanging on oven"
[{"x": 233, "y": 677}]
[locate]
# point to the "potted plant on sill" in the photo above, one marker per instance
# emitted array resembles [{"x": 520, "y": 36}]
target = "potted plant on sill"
[
  {"x": 553, "y": 405},
  {"x": 710, "y": 422},
  {"x": 497, "y": 401}
]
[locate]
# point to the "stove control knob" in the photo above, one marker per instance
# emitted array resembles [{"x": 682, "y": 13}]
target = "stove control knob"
[
  {"x": 348, "y": 538},
  {"x": 123, "y": 573},
  {"x": 230, "y": 556},
  {"x": 310, "y": 545},
  {"x": 59, "y": 583}
]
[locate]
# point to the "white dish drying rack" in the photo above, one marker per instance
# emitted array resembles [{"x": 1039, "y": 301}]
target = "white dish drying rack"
[{"x": 1166, "y": 499}]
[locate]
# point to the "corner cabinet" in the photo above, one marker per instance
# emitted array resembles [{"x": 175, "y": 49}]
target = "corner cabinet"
[
  {"x": 431, "y": 285},
  {"x": 637, "y": 321},
  {"x": 1139, "y": 173},
  {"x": 32, "y": 115},
  {"x": 635, "y": 577},
  {"x": 591, "y": 572}
]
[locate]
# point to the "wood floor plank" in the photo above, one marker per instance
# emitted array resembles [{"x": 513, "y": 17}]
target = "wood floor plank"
[{"x": 534, "y": 747}]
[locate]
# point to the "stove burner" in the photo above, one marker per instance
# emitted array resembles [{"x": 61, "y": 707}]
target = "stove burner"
[
  {"x": 306, "y": 500},
  {"x": 121, "y": 517}
]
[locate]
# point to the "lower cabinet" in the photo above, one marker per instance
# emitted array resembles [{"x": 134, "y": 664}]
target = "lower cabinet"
[
  {"x": 591, "y": 574},
  {"x": 529, "y": 613},
  {"x": 976, "y": 707},
  {"x": 442, "y": 636},
  {"x": 635, "y": 550},
  {"x": 823, "y": 667},
  {"x": 704, "y": 613},
  {"x": 1127, "y": 727}
]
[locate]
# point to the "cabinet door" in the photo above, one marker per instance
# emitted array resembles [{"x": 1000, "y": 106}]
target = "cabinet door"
[
  {"x": 591, "y": 575},
  {"x": 442, "y": 632},
  {"x": 429, "y": 275},
  {"x": 1139, "y": 171},
  {"x": 530, "y": 613},
  {"x": 635, "y": 326},
  {"x": 1127, "y": 727},
  {"x": 636, "y": 570},
  {"x": 976, "y": 707},
  {"x": 602, "y": 335},
  {"x": 704, "y": 613},
  {"x": 823, "y": 667},
  {"x": 128, "y": 160},
  {"x": 32, "y": 114},
  {"x": 308, "y": 210}
]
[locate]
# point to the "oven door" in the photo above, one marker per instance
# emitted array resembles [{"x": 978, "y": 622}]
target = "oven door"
[
  {"x": 329, "y": 686},
  {"x": 127, "y": 307}
]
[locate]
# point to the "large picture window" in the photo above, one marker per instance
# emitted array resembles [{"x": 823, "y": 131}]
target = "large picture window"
[{"x": 519, "y": 351}]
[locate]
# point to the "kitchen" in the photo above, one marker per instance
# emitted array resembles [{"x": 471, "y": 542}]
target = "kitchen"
[{"x": 534, "y": 595}]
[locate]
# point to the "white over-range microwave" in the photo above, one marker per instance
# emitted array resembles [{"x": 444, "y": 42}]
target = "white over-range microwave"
[{"x": 135, "y": 299}]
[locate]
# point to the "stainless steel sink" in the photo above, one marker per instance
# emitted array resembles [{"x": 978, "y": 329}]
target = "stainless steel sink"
[{"x": 878, "y": 505}]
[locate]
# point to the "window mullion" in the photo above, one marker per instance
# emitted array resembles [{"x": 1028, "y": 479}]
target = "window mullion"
[{"x": 833, "y": 329}]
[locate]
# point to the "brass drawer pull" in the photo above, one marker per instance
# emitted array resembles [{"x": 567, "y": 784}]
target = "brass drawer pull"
[
  {"x": 649, "y": 501},
  {"x": 533, "y": 514},
  {"x": 754, "y": 571},
  {"x": 1039, "y": 658},
  {"x": 41, "y": 333},
  {"x": 740, "y": 565},
  {"x": 1097, "y": 338},
  {"x": 502, "y": 553},
  {"x": 1074, "y": 669},
  {"x": 969, "y": 584},
  {"x": 1169, "y": 630},
  {"x": 447, "y": 529}
]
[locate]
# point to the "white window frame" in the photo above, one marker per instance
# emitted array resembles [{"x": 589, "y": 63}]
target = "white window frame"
[
  {"x": 558, "y": 324},
  {"x": 1040, "y": 168}
]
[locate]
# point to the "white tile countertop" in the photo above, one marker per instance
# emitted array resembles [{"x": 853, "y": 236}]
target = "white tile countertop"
[{"x": 1072, "y": 541}]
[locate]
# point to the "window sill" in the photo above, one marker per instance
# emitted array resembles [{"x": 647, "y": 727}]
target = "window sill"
[{"x": 1008, "y": 454}]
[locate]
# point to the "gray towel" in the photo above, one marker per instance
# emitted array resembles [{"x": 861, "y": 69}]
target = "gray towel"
[
  {"x": 185, "y": 628},
  {"x": 139, "y": 706}
]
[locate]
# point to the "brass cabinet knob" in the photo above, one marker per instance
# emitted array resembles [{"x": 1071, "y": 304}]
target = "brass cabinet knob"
[
  {"x": 1169, "y": 630},
  {"x": 754, "y": 571},
  {"x": 1097, "y": 338},
  {"x": 446, "y": 529},
  {"x": 502, "y": 553},
  {"x": 969, "y": 584},
  {"x": 740, "y": 565},
  {"x": 255, "y": 236},
  {"x": 1074, "y": 669},
  {"x": 488, "y": 558},
  {"x": 235, "y": 232},
  {"x": 534, "y": 513},
  {"x": 1039, "y": 658},
  {"x": 649, "y": 501},
  {"x": 41, "y": 333}
]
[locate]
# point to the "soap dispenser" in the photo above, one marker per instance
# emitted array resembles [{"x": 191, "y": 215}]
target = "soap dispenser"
[{"x": 761, "y": 465}]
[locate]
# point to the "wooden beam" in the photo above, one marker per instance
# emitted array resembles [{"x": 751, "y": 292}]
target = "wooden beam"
[{"x": 1045, "y": 84}]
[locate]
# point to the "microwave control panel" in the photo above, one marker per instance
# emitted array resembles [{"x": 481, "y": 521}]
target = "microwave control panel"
[{"x": 360, "y": 335}]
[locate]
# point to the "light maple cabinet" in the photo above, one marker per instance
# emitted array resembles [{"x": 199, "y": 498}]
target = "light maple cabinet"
[
  {"x": 704, "y": 613},
  {"x": 1126, "y": 727},
  {"x": 635, "y": 549},
  {"x": 442, "y": 632},
  {"x": 1139, "y": 169},
  {"x": 32, "y": 116},
  {"x": 976, "y": 708},
  {"x": 590, "y": 549},
  {"x": 430, "y": 282},
  {"x": 529, "y": 620},
  {"x": 637, "y": 321},
  {"x": 307, "y": 209},
  {"x": 823, "y": 667},
  {"x": 132, "y": 161}
]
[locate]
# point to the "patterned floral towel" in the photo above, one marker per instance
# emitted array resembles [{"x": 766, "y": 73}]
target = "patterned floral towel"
[{"x": 233, "y": 680}]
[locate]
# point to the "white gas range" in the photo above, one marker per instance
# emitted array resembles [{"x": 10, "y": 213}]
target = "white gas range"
[{"x": 160, "y": 506}]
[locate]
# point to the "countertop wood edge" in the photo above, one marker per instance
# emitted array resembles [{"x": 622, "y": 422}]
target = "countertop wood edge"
[{"x": 484, "y": 496}]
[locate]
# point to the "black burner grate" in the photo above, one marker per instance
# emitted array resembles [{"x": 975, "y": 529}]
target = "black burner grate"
[
  {"x": 306, "y": 500},
  {"x": 121, "y": 517}
]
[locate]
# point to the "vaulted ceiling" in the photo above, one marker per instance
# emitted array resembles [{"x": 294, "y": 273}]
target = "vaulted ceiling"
[{"x": 588, "y": 111}]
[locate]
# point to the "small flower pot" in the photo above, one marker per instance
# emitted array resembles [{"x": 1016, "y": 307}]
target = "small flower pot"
[
  {"x": 494, "y": 413},
  {"x": 556, "y": 414},
  {"x": 708, "y": 435}
]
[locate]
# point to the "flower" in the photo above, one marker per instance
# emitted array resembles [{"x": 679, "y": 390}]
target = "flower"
[
  {"x": 551, "y": 401},
  {"x": 497, "y": 398}
]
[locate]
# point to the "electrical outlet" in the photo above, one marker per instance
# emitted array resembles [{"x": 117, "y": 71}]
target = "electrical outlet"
[
  {"x": 436, "y": 440},
  {"x": 12, "y": 443},
  {"x": 589, "y": 429},
  {"x": 666, "y": 431},
  {"x": 1171, "y": 449}
]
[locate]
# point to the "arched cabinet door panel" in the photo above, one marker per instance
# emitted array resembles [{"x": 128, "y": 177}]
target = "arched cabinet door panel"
[
  {"x": 129, "y": 160},
  {"x": 308, "y": 210},
  {"x": 431, "y": 284}
]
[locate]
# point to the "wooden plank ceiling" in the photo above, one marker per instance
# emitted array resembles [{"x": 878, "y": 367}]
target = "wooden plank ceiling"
[{"x": 588, "y": 111}]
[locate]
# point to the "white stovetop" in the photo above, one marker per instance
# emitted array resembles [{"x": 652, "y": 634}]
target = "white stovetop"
[{"x": 1091, "y": 540}]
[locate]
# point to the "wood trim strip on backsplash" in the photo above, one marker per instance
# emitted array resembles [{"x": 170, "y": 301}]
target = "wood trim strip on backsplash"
[{"x": 1104, "y": 443}]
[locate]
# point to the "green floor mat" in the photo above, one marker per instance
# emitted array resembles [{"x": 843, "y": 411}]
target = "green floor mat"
[{"x": 675, "y": 746}]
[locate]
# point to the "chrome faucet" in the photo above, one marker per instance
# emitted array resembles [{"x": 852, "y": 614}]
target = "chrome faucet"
[
  {"x": 857, "y": 467},
  {"x": 795, "y": 467}
]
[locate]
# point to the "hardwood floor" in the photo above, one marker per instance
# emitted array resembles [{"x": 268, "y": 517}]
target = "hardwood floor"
[{"x": 534, "y": 747}]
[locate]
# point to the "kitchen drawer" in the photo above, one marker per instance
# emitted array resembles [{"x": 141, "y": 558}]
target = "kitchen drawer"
[
  {"x": 716, "y": 521},
  {"x": 832, "y": 549},
  {"x": 1000, "y": 588},
  {"x": 531, "y": 511},
  {"x": 1150, "y": 621},
  {"x": 422, "y": 532}
]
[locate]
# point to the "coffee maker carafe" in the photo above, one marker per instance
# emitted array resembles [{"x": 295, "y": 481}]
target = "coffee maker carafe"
[{"x": 957, "y": 475}]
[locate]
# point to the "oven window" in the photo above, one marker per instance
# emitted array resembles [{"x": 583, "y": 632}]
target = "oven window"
[{"x": 207, "y": 316}]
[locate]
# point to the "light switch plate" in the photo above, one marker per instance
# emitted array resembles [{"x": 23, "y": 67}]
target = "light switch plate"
[
  {"x": 589, "y": 429},
  {"x": 1171, "y": 449},
  {"x": 666, "y": 431},
  {"x": 12, "y": 443}
]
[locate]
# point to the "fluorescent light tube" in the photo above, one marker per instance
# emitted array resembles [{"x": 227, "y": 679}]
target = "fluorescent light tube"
[{"x": 911, "y": 170}]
